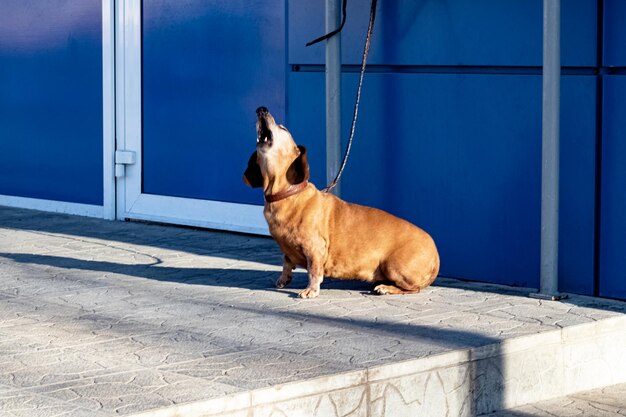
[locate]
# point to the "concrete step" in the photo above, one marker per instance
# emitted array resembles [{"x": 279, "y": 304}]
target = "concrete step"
[
  {"x": 105, "y": 319},
  {"x": 462, "y": 382},
  {"x": 603, "y": 402}
]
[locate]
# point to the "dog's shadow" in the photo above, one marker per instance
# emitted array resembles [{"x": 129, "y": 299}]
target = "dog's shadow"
[{"x": 251, "y": 279}]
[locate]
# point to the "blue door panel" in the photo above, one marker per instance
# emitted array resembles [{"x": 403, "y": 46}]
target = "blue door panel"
[
  {"x": 51, "y": 100},
  {"x": 459, "y": 155},
  {"x": 614, "y": 33},
  {"x": 207, "y": 65},
  {"x": 613, "y": 211},
  {"x": 455, "y": 32}
]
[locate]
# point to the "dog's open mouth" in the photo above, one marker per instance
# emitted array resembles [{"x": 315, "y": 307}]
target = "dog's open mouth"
[{"x": 263, "y": 131}]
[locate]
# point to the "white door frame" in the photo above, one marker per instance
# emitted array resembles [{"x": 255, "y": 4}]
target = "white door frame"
[
  {"x": 108, "y": 108},
  {"x": 131, "y": 202}
]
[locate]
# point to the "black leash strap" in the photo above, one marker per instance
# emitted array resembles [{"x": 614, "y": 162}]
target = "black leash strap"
[
  {"x": 336, "y": 31},
  {"x": 368, "y": 39}
]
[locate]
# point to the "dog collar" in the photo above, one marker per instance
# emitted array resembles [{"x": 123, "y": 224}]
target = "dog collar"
[{"x": 288, "y": 192}]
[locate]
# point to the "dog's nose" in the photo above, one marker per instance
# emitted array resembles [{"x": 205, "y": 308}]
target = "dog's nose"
[{"x": 262, "y": 111}]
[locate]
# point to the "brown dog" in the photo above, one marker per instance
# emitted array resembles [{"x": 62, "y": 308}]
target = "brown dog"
[{"x": 326, "y": 235}]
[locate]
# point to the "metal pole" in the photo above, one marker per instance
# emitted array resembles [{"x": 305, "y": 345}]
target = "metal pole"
[
  {"x": 333, "y": 93},
  {"x": 549, "y": 273}
]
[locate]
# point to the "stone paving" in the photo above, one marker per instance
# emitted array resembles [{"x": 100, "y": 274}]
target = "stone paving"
[
  {"x": 603, "y": 402},
  {"x": 101, "y": 318}
]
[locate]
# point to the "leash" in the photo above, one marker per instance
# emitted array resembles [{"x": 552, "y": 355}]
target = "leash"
[
  {"x": 336, "y": 31},
  {"x": 366, "y": 49}
]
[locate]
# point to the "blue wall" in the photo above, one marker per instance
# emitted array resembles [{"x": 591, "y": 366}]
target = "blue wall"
[
  {"x": 614, "y": 53},
  {"x": 452, "y": 32},
  {"x": 459, "y": 155},
  {"x": 612, "y": 239},
  {"x": 449, "y": 131},
  {"x": 613, "y": 219},
  {"x": 51, "y": 100}
]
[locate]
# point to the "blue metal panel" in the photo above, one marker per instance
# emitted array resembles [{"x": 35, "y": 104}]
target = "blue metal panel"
[
  {"x": 577, "y": 186},
  {"x": 613, "y": 210},
  {"x": 459, "y": 155},
  {"x": 454, "y": 32},
  {"x": 51, "y": 100},
  {"x": 207, "y": 65},
  {"x": 307, "y": 122},
  {"x": 614, "y": 33}
]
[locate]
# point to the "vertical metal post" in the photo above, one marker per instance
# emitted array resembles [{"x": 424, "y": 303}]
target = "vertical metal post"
[
  {"x": 549, "y": 272},
  {"x": 333, "y": 93}
]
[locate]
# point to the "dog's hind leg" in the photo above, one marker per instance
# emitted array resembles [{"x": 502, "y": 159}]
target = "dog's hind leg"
[
  {"x": 407, "y": 270},
  {"x": 384, "y": 289},
  {"x": 396, "y": 279},
  {"x": 285, "y": 277}
]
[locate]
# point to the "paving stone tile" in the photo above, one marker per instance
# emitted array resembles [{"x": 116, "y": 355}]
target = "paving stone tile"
[
  {"x": 43, "y": 368},
  {"x": 133, "y": 391},
  {"x": 604, "y": 402},
  {"x": 23, "y": 404},
  {"x": 257, "y": 369}
]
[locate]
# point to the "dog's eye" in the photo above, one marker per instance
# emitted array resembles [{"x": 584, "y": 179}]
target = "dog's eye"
[{"x": 283, "y": 128}]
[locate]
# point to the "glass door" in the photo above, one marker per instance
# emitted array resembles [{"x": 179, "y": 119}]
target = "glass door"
[{"x": 193, "y": 73}]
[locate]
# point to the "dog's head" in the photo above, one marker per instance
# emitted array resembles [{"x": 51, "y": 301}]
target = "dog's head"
[{"x": 277, "y": 156}]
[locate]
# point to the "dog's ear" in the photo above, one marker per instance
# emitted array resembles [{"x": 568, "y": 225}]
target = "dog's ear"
[
  {"x": 299, "y": 169},
  {"x": 253, "y": 176}
]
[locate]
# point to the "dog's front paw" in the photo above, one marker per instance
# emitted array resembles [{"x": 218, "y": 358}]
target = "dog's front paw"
[
  {"x": 283, "y": 282},
  {"x": 309, "y": 293}
]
